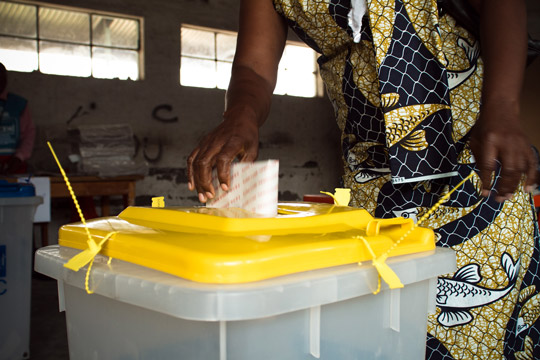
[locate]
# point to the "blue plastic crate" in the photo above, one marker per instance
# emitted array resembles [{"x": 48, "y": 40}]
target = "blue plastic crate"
[{"x": 8, "y": 189}]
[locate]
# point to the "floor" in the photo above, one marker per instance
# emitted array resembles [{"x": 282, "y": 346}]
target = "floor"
[{"x": 48, "y": 335}]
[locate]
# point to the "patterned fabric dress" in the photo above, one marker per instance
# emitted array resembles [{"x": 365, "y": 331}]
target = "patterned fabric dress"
[{"x": 406, "y": 95}]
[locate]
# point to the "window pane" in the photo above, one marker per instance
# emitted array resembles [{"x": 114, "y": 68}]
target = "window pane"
[
  {"x": 281, "y": 84},
  {"x": 298, "y": 58},
  {"x": 223, "y": 74},
  {"x": 116, "y": 32},
  {"x": 296, "y": 75},
  {"x": 17, "y": 19},
  {"x": 198, "y": 72},
  {"x": 299, "y": 84},
  {"x": 226, "y": 47},
  {"x": 18, "y": 54},
  {"x": 296, "y": 84},
  {"x": 64, "y": 25},
  {"x": 64, "y": 59},
  {"x": 198, "y": 43},
  {"x": 115, "y": 63}
]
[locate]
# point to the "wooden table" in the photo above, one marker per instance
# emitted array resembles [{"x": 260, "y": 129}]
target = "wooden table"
[{"x": 103, "y": 187}]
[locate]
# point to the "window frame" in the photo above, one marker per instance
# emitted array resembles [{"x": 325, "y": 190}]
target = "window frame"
[
  {"x": 319, "y": 85},
  {"x": 38, "y": 4}
]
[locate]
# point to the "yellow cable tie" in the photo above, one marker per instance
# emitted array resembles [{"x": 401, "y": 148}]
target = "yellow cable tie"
[
  {"x": 76, "y": 262},
  {"x": 341, "y": 196},
  {"x": 87, "y": 278},
  {"x": 383, "y": 270},
  {"x": 426, "y": 215},
  {"x": 68, "y": 184},
  {"x": 86, "y": 256}
]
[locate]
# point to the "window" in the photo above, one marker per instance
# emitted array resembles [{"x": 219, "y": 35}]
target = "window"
[
  {"x": 207, "y": 56},
  {"x": 66, "y": 41}
]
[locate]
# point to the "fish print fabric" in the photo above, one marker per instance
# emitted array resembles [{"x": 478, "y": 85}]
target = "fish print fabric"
[{"x": 406, "y": 94}]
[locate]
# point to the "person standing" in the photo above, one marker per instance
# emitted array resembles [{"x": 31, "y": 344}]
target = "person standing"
[
  {"x": 17, "y": 131},
  {"x": 421, "y": 104}
]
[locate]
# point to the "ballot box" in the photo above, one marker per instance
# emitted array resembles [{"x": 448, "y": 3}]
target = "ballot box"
[
  {"x": 166, "y": 285},
  {"x": 17, "y": 207}
]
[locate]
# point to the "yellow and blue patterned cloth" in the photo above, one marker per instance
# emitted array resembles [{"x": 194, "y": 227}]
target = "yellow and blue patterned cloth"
[{"x": 406, "y": 96}]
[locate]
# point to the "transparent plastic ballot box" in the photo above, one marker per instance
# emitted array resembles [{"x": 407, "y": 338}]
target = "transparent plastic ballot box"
[
  {"x": 140, "y": 313},
  {"x": 17, "y": 208},
  {"x": 245, "y": 289}
]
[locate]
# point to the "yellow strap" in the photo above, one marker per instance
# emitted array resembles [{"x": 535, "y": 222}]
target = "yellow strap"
[
  {"x": 86, "y": 256},
  {"x": 425, "y": 216},
  {"x": 387, "y": 274},
  {"x": 384, "y": 271},
  {"x": 341, "y": 196},
  {"x": 90, "y": 240}
]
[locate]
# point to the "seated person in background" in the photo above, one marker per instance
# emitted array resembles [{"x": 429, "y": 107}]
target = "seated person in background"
[{"x": 17, "y": 132}]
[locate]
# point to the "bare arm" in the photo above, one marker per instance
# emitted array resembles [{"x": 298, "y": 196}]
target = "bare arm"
[
  {"x": 498, "y": 133},
  {"x": 261, "y": 40}
]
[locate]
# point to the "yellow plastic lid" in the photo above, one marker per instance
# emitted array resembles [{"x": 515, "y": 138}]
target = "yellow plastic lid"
[{"x": 225, "y": 246}]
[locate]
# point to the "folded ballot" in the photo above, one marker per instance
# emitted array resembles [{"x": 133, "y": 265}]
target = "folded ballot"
[{"x": 253, "y": 187}]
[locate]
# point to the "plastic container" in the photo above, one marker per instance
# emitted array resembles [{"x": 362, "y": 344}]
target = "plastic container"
[
  {"x": 225, "y": 246},
  {"x": 16, "y": 219},
  {"x": 9, "y": 189},
  {"x": 331, "y": 313}
]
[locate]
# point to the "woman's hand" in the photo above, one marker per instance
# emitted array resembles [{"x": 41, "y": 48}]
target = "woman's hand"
[
  {"x": 260, "y": 43},
  {"x": 499, "y": 136},
  {"x": 237, "y": 137}
]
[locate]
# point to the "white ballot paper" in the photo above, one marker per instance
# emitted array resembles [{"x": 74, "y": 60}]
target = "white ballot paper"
[{"x": 254, "y": 187}]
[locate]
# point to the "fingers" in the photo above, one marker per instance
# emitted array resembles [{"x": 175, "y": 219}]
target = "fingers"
[
  {"x": 191, "y": 158},
  {"x": 214, "y": 153},
  {"x": 486, "y": 162},
  {"x": 200, "y": 164},
  {"x": 234, "y": 149},
  {"x": 532, "y": 171},
  {"x": 513, "y": 167},
  {"x": 199, "y": 176},
  {"x": 517, "y": 163}
]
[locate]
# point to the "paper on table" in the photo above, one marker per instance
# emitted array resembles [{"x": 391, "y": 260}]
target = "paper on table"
[{"x": 253, "y": 187}]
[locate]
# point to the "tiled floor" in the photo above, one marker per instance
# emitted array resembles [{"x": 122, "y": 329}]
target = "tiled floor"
[{"x": 48, "y": 335}]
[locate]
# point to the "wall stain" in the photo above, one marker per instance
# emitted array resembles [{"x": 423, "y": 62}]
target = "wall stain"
[
  {"x": 277, "y": 139},
  {"x": 193, "y": 198},
  {"x": 176, "y": 175},
  {"x": 288, "y": 196},
  {"x": 310, "y": 164},
  {"x": 143, "y": 200},
  {"x": 81, "y": 111}
]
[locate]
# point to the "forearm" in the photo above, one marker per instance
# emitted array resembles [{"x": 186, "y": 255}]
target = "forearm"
[
  {"x": 249, "y": 96},
  {"x": 498, "y": 140},
  {"x": 261, "y": 39},
  {"x": 504, "y": 48},
  {"x": 260, "y": 43}
]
